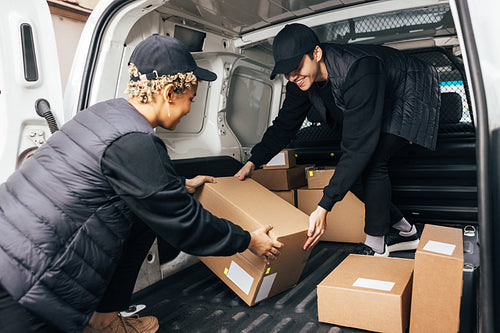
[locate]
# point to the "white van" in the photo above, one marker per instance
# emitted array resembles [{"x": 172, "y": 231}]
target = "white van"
[{"x": 457, "y": 185}]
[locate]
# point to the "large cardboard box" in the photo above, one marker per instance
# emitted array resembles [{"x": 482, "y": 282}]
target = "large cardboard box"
[
  {"x": 285, "y": 159},
  {"x": 367, "y": 292},
  {"x": 252, "y": 206},
  {"x": 437, "y": 282},
  {"x": 346, "y": 220},
  {"x": 281, "y": 179},
  {"x": 289, "y": 196},
  {"x": 319, "y": 177}
]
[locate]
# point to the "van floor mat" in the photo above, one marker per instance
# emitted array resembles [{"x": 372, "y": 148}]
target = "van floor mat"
[{"x": 195, "y": 300}]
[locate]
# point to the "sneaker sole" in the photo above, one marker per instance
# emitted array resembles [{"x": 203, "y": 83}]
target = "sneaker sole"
[
  {"x": 385, "y": 254},
  {"x": 404, "y": 246}
]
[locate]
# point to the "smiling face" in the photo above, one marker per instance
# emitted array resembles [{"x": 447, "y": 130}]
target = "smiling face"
[{"x": 308, "y": 71}]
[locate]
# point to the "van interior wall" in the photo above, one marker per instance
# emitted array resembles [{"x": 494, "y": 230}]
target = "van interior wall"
[{"x": 431, "y": 187}]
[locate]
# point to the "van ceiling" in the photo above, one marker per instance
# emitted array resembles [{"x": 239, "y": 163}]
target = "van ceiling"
[
  {"x": 237, "y": 17},
  {"x": 245, "y": 19}
]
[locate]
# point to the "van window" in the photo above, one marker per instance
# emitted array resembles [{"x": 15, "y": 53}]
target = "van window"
[{"x": 249, "y": 105}]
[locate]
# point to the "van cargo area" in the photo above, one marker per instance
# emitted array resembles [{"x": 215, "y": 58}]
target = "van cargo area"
[
  {"x": 430, "y": 187},
  {"x": 455, "y": 186},
  {"x": 196, "y": 300}
]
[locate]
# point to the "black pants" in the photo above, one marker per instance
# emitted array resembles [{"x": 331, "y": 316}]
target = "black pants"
[
  {"x": 14, "y": 318},
  {"x": 374, "y": 187}
]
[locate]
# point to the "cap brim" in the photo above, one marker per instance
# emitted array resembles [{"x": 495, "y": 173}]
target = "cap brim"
[
  {"x": 204, "y": 74},
  {"x": 286, "y": 66}
]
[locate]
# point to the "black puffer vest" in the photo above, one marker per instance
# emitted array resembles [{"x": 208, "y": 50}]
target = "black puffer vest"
[
  {"x": 412, "y": 94},
  {"x": 62, "y": 227}
]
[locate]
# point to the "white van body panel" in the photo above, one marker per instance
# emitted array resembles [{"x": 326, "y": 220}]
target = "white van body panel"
[{"x": 21, "y": 129}]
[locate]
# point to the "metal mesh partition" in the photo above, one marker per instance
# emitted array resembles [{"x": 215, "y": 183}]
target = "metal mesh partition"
[{"x": 391, "y": 27}]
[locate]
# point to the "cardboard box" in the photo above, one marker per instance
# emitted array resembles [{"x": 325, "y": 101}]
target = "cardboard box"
[
  {"x": 285, "y": 159},
  {"x": 289, "y": 196},
  {"x": 319, "y": 177},
  {"x": 367, "y": 292},
  {"x": 437, "y": 282},
  {"x": 252, "y": 206},
  {"x": 281, "y": 179},
  {"x": 346, "y": 220}
]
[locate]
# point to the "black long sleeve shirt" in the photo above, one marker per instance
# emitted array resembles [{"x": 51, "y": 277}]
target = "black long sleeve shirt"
[
  {"x": 363, "y": 97},
  {"x": 140, "y": 171}
]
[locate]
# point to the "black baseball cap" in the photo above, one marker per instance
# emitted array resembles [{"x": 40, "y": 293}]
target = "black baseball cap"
[
  {"x": 290, "y": 45},
  {"x": 160, "y": 55}
]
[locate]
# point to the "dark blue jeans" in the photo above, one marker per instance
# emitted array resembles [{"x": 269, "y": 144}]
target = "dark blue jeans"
[{"x": 374, "y": 187}]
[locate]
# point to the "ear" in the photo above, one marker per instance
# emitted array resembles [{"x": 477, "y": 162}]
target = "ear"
[
  {"x": 318, "y": 53},
  {"x": 168, "y": 93}
]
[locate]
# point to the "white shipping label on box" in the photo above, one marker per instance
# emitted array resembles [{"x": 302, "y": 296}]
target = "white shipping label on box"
[
  {"x": 279, "y": 159},
  {"x": 439, "y": 247},
  {"x": 265, "y": 287},
  {"x": 373, "y": 284},
  {"x": 240, "y": 277}
]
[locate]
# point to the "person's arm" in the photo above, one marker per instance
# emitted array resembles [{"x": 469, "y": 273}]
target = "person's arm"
[
  {"x": 363, "y": 94},
  {"x": 140, "y": 171}
]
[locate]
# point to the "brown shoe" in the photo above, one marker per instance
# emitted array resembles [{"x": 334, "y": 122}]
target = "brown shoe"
[{"x": 132, "y": 324}]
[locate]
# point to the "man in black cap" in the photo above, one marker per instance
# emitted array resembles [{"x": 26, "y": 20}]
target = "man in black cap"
[
  {"x": 78, "y": 218},
  {"x": 380, "y": 98}
]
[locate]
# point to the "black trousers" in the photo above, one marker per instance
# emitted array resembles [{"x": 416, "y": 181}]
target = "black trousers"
[
  {"x": 374, "y": 187},
  {"x": 14, "y": 318}
]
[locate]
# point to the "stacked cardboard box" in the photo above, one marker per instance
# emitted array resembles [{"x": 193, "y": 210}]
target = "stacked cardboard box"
[
  {"x": 285, "y": 159},
  {"x": 437, "y": 282},
  {"x": 281, "y": 179},
  {"x": 346, "y": 221},
  {"x": 289, "y": 196},
  {"x": 367, "y": 292},
  {"x": 319, "y": 177},
  {"x": 282, "y": 176},
  {"x": 252, "y": 206}
]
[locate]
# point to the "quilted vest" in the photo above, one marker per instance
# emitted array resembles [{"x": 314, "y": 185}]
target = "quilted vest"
[
  {"x": 62, "y": 227},
  {"x": 412, "y": 93}
]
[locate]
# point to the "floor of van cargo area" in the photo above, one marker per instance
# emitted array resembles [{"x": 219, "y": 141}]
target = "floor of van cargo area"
[{"x": 195, "y": 300}]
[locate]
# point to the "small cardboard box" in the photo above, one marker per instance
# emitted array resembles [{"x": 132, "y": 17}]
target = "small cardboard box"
[
  {"x": 252, "y": 206},
  {"x": 437, "y": 282},
  {"x": 319, "y": 177},
  {"x": 281, "y": 179},
  {"x": 366, "y": 292},
  {"x": 289, "y": 196},
  {"x": 346, "y": 220},
  {"x": 285, "y": 159}
]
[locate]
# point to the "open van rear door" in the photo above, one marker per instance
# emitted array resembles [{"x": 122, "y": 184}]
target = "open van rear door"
[{"x": 29, "y": 80}]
